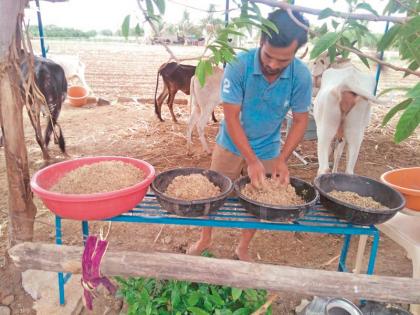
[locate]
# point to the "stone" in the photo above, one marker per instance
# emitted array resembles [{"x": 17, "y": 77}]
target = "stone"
[
  {"x": 43, "y": 287},
  {"x": 5, "y": 310},
  {"x": 8, "y": 300}
]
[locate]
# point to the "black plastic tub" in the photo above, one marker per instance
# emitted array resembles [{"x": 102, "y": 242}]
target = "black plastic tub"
[
  {"x": 191, "y": 208},
  {"x": 278, "y": 213},
  {"x": 364, "y": 186}
]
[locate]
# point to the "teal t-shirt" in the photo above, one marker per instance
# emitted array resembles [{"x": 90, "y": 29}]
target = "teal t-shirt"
[{"x": 263, "y": 105}]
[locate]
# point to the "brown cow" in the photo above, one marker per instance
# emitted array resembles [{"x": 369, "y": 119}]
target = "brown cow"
[{"x": 175, "y": 77}]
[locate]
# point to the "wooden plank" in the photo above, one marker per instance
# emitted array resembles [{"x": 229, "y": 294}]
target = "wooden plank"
[{"x": 233, "y": 273}]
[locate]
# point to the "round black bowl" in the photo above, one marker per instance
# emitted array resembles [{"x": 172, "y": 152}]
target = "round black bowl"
[
  {"x": 191, "y": 208},
  {"x": 278, "y": 213},
  {"x": 364, "y": 186}
]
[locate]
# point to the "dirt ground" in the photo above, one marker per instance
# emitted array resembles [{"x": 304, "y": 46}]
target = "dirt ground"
[{"x": 131, "y": 129}]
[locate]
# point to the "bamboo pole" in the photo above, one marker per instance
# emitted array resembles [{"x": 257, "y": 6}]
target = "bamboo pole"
[{"x": 233, "y": 273}]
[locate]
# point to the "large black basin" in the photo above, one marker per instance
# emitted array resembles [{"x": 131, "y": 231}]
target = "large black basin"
[
  {"x": 278, "y": 213},
  {"x": 191, "y": 208},
  {"x": 364, "y": 186}
]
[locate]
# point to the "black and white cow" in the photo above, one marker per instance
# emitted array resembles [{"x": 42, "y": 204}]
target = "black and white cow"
[{"x": 51, "y": 81}]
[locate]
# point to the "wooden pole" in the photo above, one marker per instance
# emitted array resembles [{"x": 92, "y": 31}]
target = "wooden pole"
[
  {"x": 21, "y": 207},
  {"x": 233, "y": 273}
]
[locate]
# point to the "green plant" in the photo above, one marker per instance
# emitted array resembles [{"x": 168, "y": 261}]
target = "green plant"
[{"x": 160, "y": 297}]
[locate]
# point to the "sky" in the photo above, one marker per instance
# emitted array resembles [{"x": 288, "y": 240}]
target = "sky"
[{"x": 109, "y": 14}]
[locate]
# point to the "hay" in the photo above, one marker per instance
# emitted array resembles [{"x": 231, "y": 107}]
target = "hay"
[
  {"x": 357, "y": 200},
  {"x": 99, "y": 177},
  {"x": 192, "y": 187},
  {"x": 273, "y": 193}
]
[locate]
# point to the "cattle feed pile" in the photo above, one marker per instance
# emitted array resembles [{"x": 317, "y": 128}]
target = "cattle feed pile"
[
  {"x": 99, "y": 177},
  {"x": 273, "y": 193},
  {"x": 192, "y": 187},
  {"x": 357, "y": 200}
]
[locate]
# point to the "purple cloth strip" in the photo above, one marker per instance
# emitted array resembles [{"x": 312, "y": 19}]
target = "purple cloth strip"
[{"x": 91, "y": 275}]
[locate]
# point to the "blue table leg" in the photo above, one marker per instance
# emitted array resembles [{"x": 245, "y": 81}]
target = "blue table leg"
[
  {"x": 85, "y": 231},
  {"x": 58, "y": 241},
  {"x": 344, "y": 251},
  {"x": 373, "y": 252}
]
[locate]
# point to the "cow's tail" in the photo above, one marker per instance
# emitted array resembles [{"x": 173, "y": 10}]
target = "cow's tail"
[{"x": 156, "y": 106}]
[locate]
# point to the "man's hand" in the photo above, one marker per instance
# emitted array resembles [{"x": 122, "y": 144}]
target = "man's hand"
[
  {"x": 281, "y": 172},
  {"x": 256, "y": 173}
]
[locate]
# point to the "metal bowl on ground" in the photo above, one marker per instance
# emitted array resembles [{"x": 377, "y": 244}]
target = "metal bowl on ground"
[
  {"x": 191, "y": 208},
  {"x": 364, "y": 186},
  {"x": 278, "y": 213}
]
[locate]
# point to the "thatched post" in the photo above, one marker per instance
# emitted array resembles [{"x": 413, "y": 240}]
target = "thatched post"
[{"x": 21, "y": 207}]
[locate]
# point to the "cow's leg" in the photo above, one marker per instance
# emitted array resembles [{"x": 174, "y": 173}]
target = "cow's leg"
[
  {"x": 171, "y": 99},
  {"x": 201, "y": 125},
  {"x": 353, "y": 149},
  {"x": 159, "y": 102},
  {"x": 195, "y": 115},
  {"x": 338, "y": 152},
  {"x": 326, "y": 133}
]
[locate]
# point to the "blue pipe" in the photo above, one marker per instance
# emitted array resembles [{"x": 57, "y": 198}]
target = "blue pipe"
[
  {"x": 378, "y": 70},
  {"x": 40, "y": 29}
]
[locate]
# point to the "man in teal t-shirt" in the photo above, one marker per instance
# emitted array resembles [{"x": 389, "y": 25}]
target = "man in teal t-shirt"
[{"x": 258, "y": 89}]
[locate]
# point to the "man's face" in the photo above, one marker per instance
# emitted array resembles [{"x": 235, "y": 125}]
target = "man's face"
[{"x": 275, "y": 59}]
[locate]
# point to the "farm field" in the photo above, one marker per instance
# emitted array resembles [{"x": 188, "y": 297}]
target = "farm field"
[{"x": 117, "y": 71}]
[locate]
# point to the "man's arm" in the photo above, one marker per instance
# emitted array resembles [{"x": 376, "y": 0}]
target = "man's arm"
[
  {"x": 256, "y": 170},
  {"x": 294, "y": 137}
]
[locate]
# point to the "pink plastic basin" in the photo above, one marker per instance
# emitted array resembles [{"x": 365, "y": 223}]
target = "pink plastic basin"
[{"x": 89, "y": 206}]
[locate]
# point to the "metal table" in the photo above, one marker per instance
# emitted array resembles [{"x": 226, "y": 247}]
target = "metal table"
[{"x": 232, "y": 215}]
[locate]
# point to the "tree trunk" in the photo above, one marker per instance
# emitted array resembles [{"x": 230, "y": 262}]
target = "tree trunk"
[
  {"x": 21, "y": 207},
  {"x": 233, "y": 273}
]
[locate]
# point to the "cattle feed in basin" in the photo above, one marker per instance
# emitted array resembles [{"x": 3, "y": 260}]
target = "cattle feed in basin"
[
  {"x": 342, "y": 111},
  {"x": 202, "y": 101}
]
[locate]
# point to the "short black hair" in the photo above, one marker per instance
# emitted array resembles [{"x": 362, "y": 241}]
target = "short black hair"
[{"x": 288, "y": 29}]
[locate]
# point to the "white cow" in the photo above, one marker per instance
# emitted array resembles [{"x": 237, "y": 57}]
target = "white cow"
[
  {"x": 72, "y": 66},
  {"x": 342, "y": 111},
  {"x": 323, "y": 63},
  {"x": 203, "y": 100}
]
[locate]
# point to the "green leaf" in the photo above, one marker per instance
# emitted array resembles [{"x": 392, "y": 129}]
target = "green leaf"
[
  {"x": 367, "y": 7},
  {"x": 389, "y": 37},
  {"x": 270, "y": 25},
  {"x": 197, "y": 311},
  {"x": 414, "y": 92},
  {"x": 408, "y": 122},
  {"x": 365, "y": 61},
  {"x": 332, "y": 53},
  {"x": 403, "y": 105},
  {"x": 411, "y": 27},
  {"x": 160, "y": 5},
  {"x": 325, "y": 42},
  {"x": 149, "y": 6},
  {"x": 175, "y": 298},
  {"x": 125, "y": 27},
  {"x": 242, "y": 311},
  {"x": 137, "y": 30},
  {"x": 415, "y": 52},
  {"x": 335, "y": 24},
  {"x": 413, "y": 66},
  {"x": 193, "y": 299},
  {"x": 236, "y": 293},
  {"x": 200, "y": 72},
  {"x": 217, "y": 300},
  {"x": 325, "y": 13}
]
